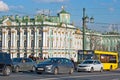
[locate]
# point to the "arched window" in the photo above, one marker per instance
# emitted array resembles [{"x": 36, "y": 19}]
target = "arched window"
[
  {"x": 40, "y": 43},
  {"x": 32, "y": 31},
  {"x": 40, "y": 31},
  {"x": 9, "y": 43},
  {"x": 9, "y": 32},
  {"x": 32, "y": 43},
  {"x": 25, "y": 32},
  {"x": 25, "y": 43},
  {"x": 18, "y": 43}
]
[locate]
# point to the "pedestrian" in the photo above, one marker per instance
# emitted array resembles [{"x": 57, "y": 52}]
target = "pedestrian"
[{"x": 72, "y": 60}]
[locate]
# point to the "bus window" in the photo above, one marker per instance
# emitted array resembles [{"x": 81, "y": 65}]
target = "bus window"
[
  {"x": 108, "y": 58},
  {"x": 112, "y": 59}
]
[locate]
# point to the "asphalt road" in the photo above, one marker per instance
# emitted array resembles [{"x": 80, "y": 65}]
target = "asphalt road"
[{"x": 106, "y": 75}]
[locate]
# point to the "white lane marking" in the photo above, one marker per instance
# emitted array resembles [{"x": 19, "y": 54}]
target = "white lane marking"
[
  {"x": 66, "y": 77},
  {"x": 116, "y": 79}
]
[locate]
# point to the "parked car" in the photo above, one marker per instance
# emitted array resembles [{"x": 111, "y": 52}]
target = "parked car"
[
  {"x": 90, "y": 65},
  {"x": 55, "y": 65},
  {"x": 5, "y": 63},
  {"x": 23, "y": 64}
]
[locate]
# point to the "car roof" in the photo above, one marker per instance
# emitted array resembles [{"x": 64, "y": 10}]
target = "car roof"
[
  {"x": 91, "y": 60},
  {"x": 58, "y": 58},
  {"x": 21, "y": 58}
]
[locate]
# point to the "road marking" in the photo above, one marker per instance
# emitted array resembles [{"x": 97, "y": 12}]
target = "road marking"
[
  {"x": 68, "y": 77},
  {"x": 116, "y": 79}
]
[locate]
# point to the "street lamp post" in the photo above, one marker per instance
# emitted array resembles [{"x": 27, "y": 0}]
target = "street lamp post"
[
  {"x": 83, "y": 30},
  {"x": 85, "y": 20}
]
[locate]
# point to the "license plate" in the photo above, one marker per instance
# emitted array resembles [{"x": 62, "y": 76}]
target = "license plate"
[{"x": 40, "y": 68}]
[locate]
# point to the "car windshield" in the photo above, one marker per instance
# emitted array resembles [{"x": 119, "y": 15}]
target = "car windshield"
[
  {"x": 52, "y": 60},
  {"x": 16, "y": 59},
  {"x": 87, "y": 62}
]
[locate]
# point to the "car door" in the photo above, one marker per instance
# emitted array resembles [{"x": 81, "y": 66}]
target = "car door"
[
  {"x": 97, "y": 66},
  {"x": 24, "y": 63},
  {"x": 29, "y": 64},
  {"x": 66, "y": 65},
  {"x": 61, "y": 66}
]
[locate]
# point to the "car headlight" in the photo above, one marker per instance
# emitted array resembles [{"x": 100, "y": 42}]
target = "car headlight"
[{"x": 49, "y": 66}]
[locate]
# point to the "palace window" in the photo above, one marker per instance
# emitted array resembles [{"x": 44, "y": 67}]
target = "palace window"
[
  {"x": 25, "y": 32},
  {"x": 9, "y": 32},
  {"x": 40, "y": 43},
  {"x": 18, "y": 43},
  {"x": 25, "y": 43},
  {"x": 32, "y": 43},
  {"x": 40, "y": 31},
  {"x": 0, "y": 32},
  {"x": 32, "y": 31},
  {"x": 0, "y": 43},
  {"x": 18, "y": 32},
  {"x": 9, "y": 43}
]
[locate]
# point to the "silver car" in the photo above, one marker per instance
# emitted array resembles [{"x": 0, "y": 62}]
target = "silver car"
[
  {"x": 90, "y": 65},
  {"x": 55, "y": 65},
  {"x": 23, "y": 64}
]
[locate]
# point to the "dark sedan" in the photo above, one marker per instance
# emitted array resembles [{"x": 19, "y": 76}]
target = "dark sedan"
[
  {"x": 23, "y": 64},
  {"x": 55, "y": 66}
]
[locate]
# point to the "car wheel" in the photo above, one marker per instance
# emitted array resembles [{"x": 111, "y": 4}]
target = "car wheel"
[
  {"x": 101, "y": 70},
  {"x": 17, "y": 69},
  {"x": 33, "y": 69},
  {"x": 110, "y": 68},
  {"x": 92, "y": 69},
  {"x": 7, "y": 71},
  {"x": 55, "y": 71},
  {"x": 78, "y": 70},
  {"x": 71, "y": 71}
]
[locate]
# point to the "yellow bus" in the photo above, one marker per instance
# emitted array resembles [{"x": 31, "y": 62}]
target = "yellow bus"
[{"x": 108, "y": 59}]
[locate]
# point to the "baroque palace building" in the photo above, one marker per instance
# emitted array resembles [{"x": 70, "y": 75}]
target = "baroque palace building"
[
  {"x": 50, "y": 36},
  {"x": 109, "y": 41},
  {"x": 43, "y": 36}
]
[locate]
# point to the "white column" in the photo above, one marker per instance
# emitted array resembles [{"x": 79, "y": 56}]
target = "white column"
[
  {"x": 55, "y": 40},
  {"x": 44, "y": 37},
  {"x": 28, "y": 38},
  {"x": 35, "y": 38},
  {"x": 21, "y": 34},
  {"x": 12, "y": 39},
  {"x": 14, "y": 42},
  {"x": 3, "y": 38}
]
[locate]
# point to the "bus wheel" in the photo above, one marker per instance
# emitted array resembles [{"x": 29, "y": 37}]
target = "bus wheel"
[{"x": 110, "y": 68}]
